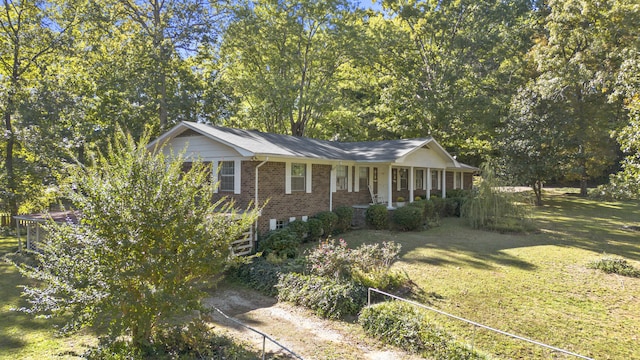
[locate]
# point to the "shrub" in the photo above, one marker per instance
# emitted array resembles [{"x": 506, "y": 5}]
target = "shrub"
[
  {"x": 367, "y": 265},
  {"x": 327, "y": 297},
  {"x": 191, "y": 341},
  {"x": 329, "y": 221},
  {"x": 331, "y": 259},
  {"x": 439, "y": 206},
  {"x": 417, "y": 198},
  {"x": 315, "y": 229},
  {"x": 345, "y": 218},
  {"x": 407, "y": 218},
  {"x": 377, "y": 217},
  {"x": 612, "y": 265},
  {"x": 281, "y": 243},
  {"x": 406, "y": 327},
  {"x": 400, "y": 199},
  {"x": 488, "y": 206},
  {"x": 262, "y": 275},
  {"x": 299, "y": 228}
]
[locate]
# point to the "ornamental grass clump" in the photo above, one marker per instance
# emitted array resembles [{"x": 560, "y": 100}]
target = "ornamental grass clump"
[{"x": 488, "y": 207}]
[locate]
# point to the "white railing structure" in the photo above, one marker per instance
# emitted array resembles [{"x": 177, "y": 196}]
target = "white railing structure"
[
  {"x": 243, "y": 245},
  {"x": 265, "y": 337},
  {"x": 475, "y": 324}
]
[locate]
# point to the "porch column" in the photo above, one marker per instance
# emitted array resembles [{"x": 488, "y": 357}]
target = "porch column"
[
  {"x": 19, "y": 239},
  {"x": 428, "y": 183},
  {"x": 444, "y": 183},
  {"x": 461, "y": 180},
  {"x": 455, "y": 180},
  {"x": 411, "y": 184},
  {"x": 390, "y": 189}
]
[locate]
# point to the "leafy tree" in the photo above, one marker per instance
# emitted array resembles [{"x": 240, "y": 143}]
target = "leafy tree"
[
  {"x": 449, "y": 68},
  {"x": 282, "y": 62},
  {"x": 150, "y": 241},
  {"x": 31, "y": 31},
  {"x": 531, "y": 141},
  {"x": 574, "y": 60}
]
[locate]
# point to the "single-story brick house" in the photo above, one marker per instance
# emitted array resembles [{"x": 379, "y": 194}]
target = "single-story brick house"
[{"x": 301, "y": 176}]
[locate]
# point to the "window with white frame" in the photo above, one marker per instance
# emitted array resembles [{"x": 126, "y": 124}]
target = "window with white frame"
[
  {"x": 419, "y": 179},
  {"x": 404, "y": 179},
  {"x": 342, "y": 177},
  {"x": 435, "y": 182},
  {"x": 298, "y": 177},
  {"x": 459, "y": 180},
  {"x": 363, "y": 178},
  {"x": 227, "y": 175}
]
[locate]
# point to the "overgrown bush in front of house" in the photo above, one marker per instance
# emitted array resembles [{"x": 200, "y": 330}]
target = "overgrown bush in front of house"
[
  {"x": 431, "y": 216},
  {"x": 327, "y": 297},
  {"x": 408, "y": 218},
  {"x": 377, "y": 217},
  {"x": 615, "y": 265},
  {"x": 439, "y": 206},
  {"x": 300, "y": 229},
  {"x": 407, "y": 327},
  {"x": 315, "y": 229},
  {"x": 368, "y": 265},
  {"x": 261, "y": 274},
  {"x": 345, "y": 218},
  {"x": 282, "y": 243},
  {"x": 329, "y": 220}
]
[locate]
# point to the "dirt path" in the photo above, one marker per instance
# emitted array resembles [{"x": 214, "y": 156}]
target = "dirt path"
[{"x": 296, "y": 328}]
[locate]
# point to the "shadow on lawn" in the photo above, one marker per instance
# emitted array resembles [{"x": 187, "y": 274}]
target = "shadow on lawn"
[{"x": 564, "y": 221}]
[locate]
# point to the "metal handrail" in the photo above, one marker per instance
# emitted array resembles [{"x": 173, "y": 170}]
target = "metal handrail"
[
  {"x": 264, "y": 336},
  {"x": 474, "y": 323}
]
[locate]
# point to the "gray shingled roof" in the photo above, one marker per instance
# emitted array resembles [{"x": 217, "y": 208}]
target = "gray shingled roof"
[{"x": 260, "y": 143}]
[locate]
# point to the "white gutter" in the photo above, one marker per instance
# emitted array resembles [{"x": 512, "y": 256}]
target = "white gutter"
[{"x": 256, "y": 198}]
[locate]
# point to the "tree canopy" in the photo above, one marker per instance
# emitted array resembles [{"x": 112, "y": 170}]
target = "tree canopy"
[{"x": 72, "y": 71}]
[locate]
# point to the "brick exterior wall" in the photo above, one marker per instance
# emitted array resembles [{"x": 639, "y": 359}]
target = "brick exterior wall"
[{"x": 283, "y": 206}]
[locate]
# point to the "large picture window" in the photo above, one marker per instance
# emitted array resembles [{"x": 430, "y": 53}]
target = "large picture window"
[
  {"x": 342, "y": 177},
  {"x": 227, "y": 175},
  {"x": 298, "y": 177}
]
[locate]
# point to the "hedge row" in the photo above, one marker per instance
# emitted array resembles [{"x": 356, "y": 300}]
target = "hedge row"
[
  {"x": 327, "y": 297},
  {"x": 418, "y": 214},
  {"x": 406, "y": 327}
]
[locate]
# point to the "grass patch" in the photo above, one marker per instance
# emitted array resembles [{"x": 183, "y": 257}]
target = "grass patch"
[
  {"x": 22, "y": 336},
  {"x": 533, "y": 285}
]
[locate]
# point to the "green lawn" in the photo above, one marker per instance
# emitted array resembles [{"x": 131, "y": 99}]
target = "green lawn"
[
  {"x": 22, "y": 336},
  {"x": 537, "y": 286}
]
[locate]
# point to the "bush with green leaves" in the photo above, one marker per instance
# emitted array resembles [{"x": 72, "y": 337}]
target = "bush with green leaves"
[
  {"x": 377, "y": 217},
  {"x": 299, "y": 228},
  {"x": 615, "y": 265},
  {"x": 439, "y": 206},
  {"x": 315, "y": 229},
  {"x": 408, "y": 218},
  {"x": 368, "y": 264},
  {"x": 404, "y": 326},
  {"x": 329, "y": 220},
  {"x": 326, "y": 296},
  {"x": 491, "y": 208},
  {"x": 149, "y": 243},
  {"x": 345, "y": 218},
  {"x": 282, "y": 243},
  {"x": 194, "y": 340},
  {"x": 261, "y": 274}
]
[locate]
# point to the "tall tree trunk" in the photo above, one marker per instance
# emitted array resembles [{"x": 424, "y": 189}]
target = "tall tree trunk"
[{"x": 8, "y": 161}]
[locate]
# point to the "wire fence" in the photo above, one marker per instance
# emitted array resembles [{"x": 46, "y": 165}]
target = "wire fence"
[
  {"x": 475, "y": 324},
  {"x": 265, "y": 337}
]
